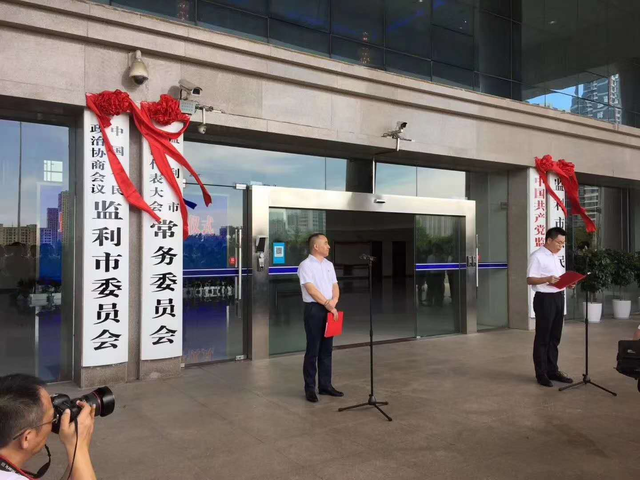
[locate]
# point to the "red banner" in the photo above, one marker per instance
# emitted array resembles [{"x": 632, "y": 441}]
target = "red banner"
[{"x": 567, "y": 174}]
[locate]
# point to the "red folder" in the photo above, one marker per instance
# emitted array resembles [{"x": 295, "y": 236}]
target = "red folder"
[
  {"x": 334, "y": 327},
  {"x": 569, "y": 279}
]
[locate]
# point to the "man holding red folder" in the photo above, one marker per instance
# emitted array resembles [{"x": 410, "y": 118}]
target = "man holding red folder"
[
  {"x": 320, "y": 293},
  {"x": 544, "y": 271}
]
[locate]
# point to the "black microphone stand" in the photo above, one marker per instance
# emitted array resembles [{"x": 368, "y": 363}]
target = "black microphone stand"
[
  {"x": 372, "y": 402},
  {"x": 586, "y": 379}
]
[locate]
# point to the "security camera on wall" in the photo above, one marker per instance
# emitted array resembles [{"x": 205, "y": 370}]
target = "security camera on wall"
[
  {"x": 189, "y": 89},
  {"x": 137, "y": 69}
]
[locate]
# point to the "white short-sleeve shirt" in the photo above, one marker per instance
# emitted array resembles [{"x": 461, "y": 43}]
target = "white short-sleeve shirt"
[
  {"x": 10, "y": 476},
  {"x": 321, "y": 274},
  {"x": 543, "y": 263}
]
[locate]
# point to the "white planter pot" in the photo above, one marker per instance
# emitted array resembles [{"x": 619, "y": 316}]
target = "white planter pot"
[
  {"x": 595, "y": 312},
  {"x": 622, "y": 309}
]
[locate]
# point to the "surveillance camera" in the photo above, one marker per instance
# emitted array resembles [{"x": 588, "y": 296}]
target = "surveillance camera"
[
  {"x": 401, "y": 126},
  {"x": 190, "y": 88},
  {"x": 138, "y": 70},
  {"x": 202, "y": 129}
]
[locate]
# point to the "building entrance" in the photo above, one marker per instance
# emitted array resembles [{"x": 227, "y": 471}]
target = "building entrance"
[{"x": 424, "y": 279}]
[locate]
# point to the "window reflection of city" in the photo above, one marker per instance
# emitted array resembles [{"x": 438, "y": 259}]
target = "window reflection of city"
[
  {"x": 207, "y": 300},
  {"x": 31, "y": 257}
]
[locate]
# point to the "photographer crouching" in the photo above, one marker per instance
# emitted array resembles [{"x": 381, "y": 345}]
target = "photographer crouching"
[{"x": 28, "y": 415}]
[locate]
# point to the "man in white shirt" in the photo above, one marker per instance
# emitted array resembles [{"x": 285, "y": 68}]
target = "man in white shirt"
[
  {"x": 548, "y": 303},
  {"x": 320, "y": 293},
  {"x": 26, "y": 419}
]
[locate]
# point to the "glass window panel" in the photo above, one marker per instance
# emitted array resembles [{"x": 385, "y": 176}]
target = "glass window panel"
[
  {"x": 177, "y": 9},
  {"x": 212, "y": 318},
  {"x": 622, "y": 34},
  {"x": 593, "y": 110},
  {"x": 628, "y": 118},
  {"x": 453, "y": 15},
  {"x": 561, "y": 16},
  {"x": 438, "y": 183},
  {"x": 529, "y": 12},
  {"x": 358, "y": 19},
  {"x": 9, "y": 178},
  {"x": 577, "y": 85},
  {"x": 528, "y": 94},
  {"x": 222, "y": 165},
  {"x": 310, "y": 13},
  {"x": 406, "y": 65},
  {"x": 37, "y": 329},
  {"x": 440, "y": 290},
  {"x": 336, "y": 171},
  {"x": 615, "y": 115},
  {"x": 529, "y": 54},
  {"x": 454, "y": 76},
  {"x": 360, "y": 53},
  {"x": 256, "y": 6},
  {"x": 627, "y": 5},
  {"x": 625, "y": 86},
  {"x": 232, "y": 21},
  {"x": 493, "y": 301},
  {"x": 396, "y": 179},
  {"x": 499, "y": 7},
  {"x": 299, "y": 38},
  {"x": 493, "y": 45},
  {"x": 407, "y": 27},
  {"x": 293, "y": 228},
  {"x": 559, "y": 101},
  {"x": 452, "y": 48},
  {"x": 493, "y": 86}
]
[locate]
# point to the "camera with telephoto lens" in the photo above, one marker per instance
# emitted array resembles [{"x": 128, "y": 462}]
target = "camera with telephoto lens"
[{"x": 102, "y": 398}]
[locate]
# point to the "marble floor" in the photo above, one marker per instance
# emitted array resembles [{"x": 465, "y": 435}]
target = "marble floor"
[{"x": 463, "y": 407}]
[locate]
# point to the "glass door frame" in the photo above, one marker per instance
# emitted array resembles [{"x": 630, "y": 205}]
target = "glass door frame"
[
  {"x": 242, "y": 276},
  {"x": 262, "y": 198}
]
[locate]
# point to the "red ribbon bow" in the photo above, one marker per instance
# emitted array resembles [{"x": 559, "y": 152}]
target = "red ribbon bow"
[
  {"x": 108, "y": 104},
  {"x": 567, "y": 174}
]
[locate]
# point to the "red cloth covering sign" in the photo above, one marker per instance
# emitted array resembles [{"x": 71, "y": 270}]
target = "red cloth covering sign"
[
  {"x": 567, "y": 174},
  {"x": 108, "y": 104}
]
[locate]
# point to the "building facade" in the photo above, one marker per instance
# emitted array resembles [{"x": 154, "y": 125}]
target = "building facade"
[{"x": 302, "y": 94}]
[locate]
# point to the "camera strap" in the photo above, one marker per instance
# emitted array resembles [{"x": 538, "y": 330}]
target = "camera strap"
[{"x": 6, "y": 466}]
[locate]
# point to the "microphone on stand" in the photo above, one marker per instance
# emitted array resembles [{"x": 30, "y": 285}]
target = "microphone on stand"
[{"x": 368, "y": 258}]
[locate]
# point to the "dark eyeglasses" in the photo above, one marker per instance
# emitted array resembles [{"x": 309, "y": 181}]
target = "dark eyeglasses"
[{"x": 54, "y": 420}]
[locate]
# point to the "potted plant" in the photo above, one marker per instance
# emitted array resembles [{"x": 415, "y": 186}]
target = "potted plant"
[
  {"x": 622, "y": 274},
  {"x": 597, "y": 264}
]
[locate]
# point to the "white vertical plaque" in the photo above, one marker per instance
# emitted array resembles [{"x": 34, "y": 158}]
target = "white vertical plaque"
[
  {"x": 537, "y": 219},
  {"x": 556, "y": 217},
  {"x": 161, "y": 315},
  {"x": 105, "y": 240}
]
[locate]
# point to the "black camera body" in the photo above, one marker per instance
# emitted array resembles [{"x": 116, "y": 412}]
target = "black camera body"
[
  {"x": 102, "y": 398},
  {"x": 629, "y": 359}
]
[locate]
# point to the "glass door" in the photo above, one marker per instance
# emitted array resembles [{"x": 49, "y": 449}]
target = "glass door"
[
  {"x": 36, "y": 251},
  {"x": 215, "y": 276},
  {"x": 440, "y": 287}
]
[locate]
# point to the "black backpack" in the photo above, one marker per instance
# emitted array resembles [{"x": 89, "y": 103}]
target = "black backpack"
[{"x": 629, "y": 359}]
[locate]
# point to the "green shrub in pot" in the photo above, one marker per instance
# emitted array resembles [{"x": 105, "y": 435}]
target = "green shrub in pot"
[
  {"x": 623, "y": 269},
  {"x": 598, "y": 264}
]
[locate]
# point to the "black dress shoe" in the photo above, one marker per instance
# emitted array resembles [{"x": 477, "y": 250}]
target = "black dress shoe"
[
  {"x": 311, "y": 396},
  {"x": 544, "y": 381},
  {"x": 560, "y": 377},
  {"x": 331, "y": 391}
]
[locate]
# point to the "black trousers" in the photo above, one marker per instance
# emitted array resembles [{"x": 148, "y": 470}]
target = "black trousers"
[
  {"x": 317, "y": 357},
  {"x": 549, "y": 310}
]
